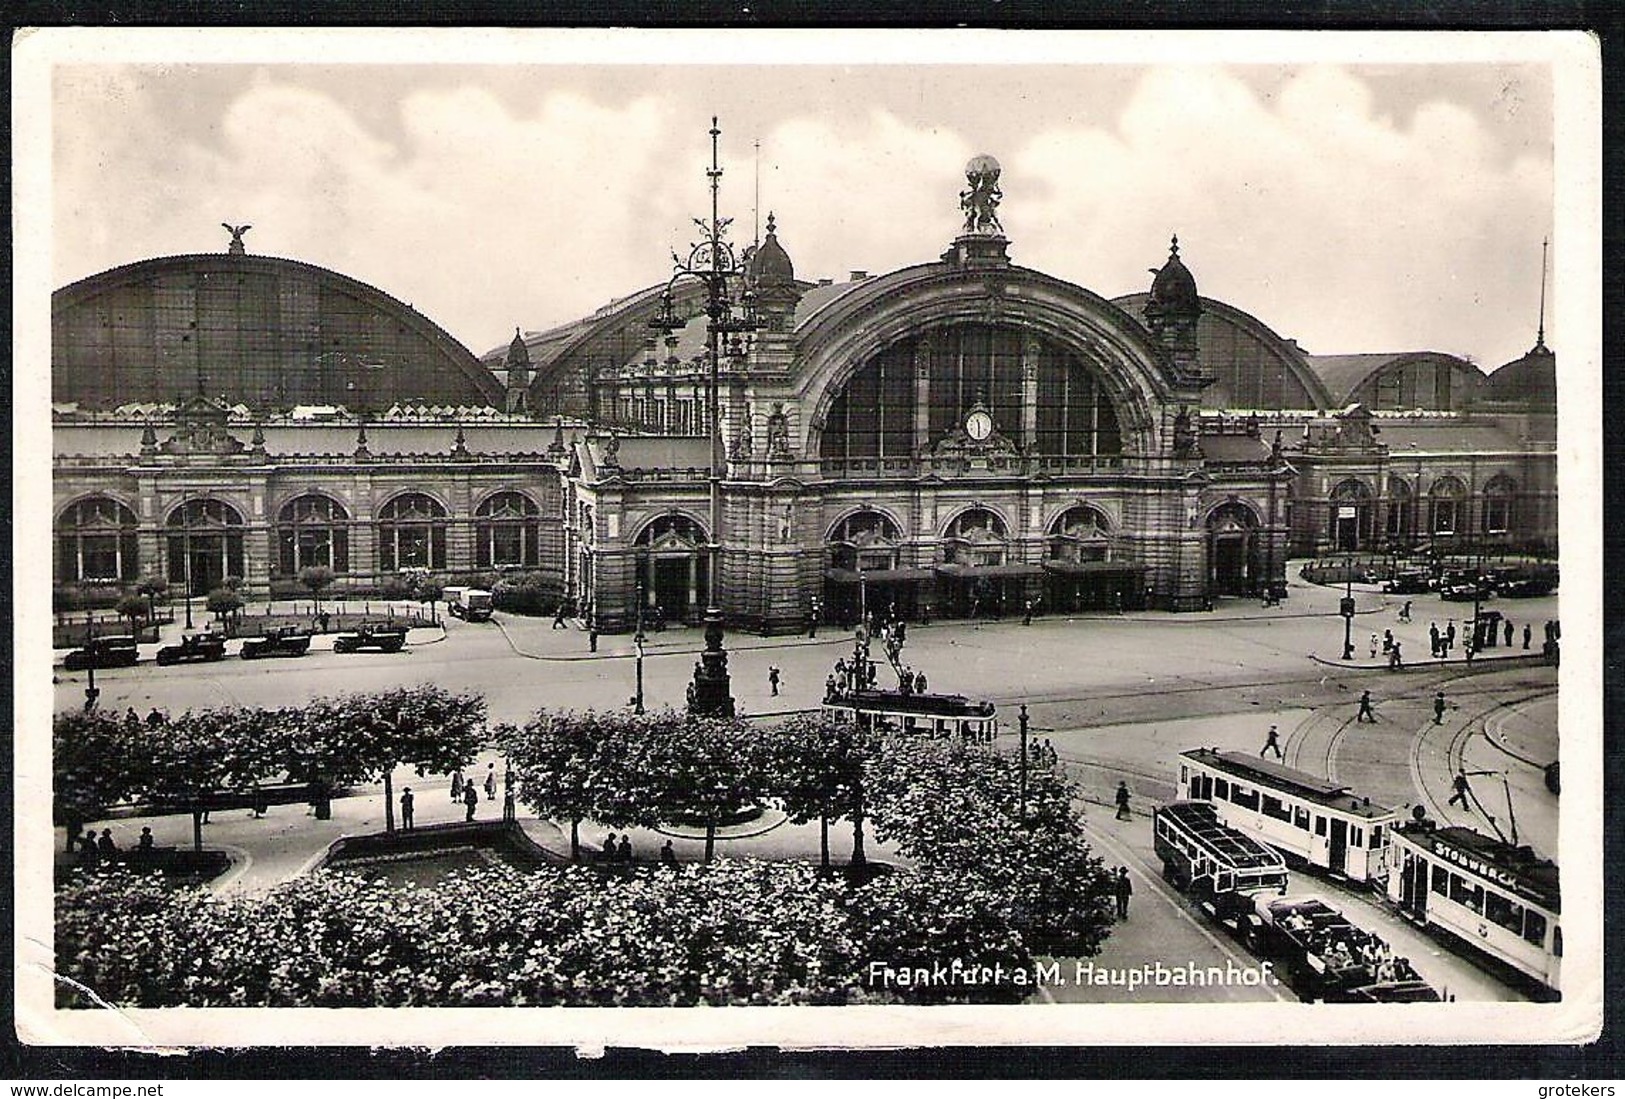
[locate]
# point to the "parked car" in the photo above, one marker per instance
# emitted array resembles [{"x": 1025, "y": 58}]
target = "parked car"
[
  {"x": 1464, "y": 591},
  {"x": 277, "y": 641},
  {"x": 384, "y": 639},
  {"x": 118, "y": 651},
  {"x": 194, "y": 647},
  {"x": 1407, "y": 582}
]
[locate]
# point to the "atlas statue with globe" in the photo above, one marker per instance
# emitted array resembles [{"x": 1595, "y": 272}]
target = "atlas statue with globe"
[{"x": 980, "y": 200}]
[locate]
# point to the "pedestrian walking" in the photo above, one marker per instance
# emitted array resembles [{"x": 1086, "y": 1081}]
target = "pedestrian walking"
[
  {"x": 1462, "y": 790},
  {"x": 1272, "y": 743},
  {"x": 1433, "y": 639},
  {"x": 457, "y": 785},
  {"x": 1394, "y": 663},
  {"x": 1366, "y": 713},
  {"x": 510, "y": 808},
  {"x": 1387, "y": 641},
  {"x": 919, "y": 683},
  {"x": 773, "y": 678},
  {"x": 105, "y": 845},
  {"x": 609, "y": 847},
  {"x": 1027, "y": 612},
  {"x": 490, "y": 782},
  {"x": 558, "y": 616},
  {"x": 144, "y": 845},
  {"x": 1373, "y": 646},
  {"x": 1438, "y": 708},
  {"x": 471, "y": 800},
  {"x": 592, "y": 638},
  {"x": 1405, "y": 612},
  {"x": 624, "y": 854},
  {"x": 1449, "y": 637},
  {"x": 668, "y": 857},
  {"x": 1122, "y": 801},
  {"x": 1528, "y": 634},
  {"x": 1122, "y": 890},
  {"x": 1509, "y": 633},
  {"x": 407, "y": 801}
]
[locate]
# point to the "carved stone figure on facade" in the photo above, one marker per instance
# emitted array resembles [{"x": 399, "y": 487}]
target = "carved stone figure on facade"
[
  {"x": 778, "y": 433},
  {"x": 744, "y": 445},
  {"x": 612, "y": 451},
  {"x": 1184, "y": 434},
  {"x": 787, "y": 521},
  {"x": 980, "y": 200},
  {"x": 236, "y": 247}
]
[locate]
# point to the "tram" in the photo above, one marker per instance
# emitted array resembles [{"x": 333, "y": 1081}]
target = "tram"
[
  {"x": 1496, "y": 898},
  {"x": 1242, "y": 885},
  {"x": 924, "y": 714},
  {"x": 1306, "y": 817}
]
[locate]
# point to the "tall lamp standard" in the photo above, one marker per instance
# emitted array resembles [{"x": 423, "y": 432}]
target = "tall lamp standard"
[
  {"x": 1346, "y": 607},
  {"x": 714, "y": 264},
  {"x": 638, "y": 638},
  {"x": 186, "y": 552}
]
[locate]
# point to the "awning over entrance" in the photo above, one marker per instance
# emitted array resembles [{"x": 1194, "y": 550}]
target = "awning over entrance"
[
  {"x": 877, "y": 576},
  {"x": 1093, "y": 568},
  {"x": 976, "y": 572}
]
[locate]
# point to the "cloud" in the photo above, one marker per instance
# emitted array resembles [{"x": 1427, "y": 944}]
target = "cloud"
[
  {"x": 1298, "y": 199},
  {"x": 1345, "y": 229}
]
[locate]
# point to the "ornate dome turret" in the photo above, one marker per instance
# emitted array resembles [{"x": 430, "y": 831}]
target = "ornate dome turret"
[
  {"x": 1173, "y": 289},
  {"x": 518, "y": 353},
  {"x": 770, "y": 264}
]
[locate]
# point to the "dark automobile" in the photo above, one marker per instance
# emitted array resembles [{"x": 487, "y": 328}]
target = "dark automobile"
[
  {"x": 1409, "y": 582},
  {"x": 384, "y": 639},
  {"x": 1463, "y": 589},
  {"x": 1525, "y": 583},
  {"x": 103, "y": 652},
  {"x": 277, "y": 641},
  {"x": 194, "y": 646}
]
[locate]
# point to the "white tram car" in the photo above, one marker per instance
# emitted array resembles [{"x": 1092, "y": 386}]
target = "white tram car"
[
  {"x": 1305, "y": 816},
  {"x": 968, "y": 719},
  {"x": 1490, "y": 895}
]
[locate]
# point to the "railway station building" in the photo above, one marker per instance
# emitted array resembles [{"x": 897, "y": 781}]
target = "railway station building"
[{"x": 960, "y": 436}]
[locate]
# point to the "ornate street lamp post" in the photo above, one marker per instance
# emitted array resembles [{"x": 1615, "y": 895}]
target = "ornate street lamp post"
[
  {"x": 638, "y": 638},
  {"x": 1346, "y": 607},
  {"x": 716, "y": 266}
]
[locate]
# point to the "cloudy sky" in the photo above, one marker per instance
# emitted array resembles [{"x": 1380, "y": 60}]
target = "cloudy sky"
[{"x": 1354, "y": 205}]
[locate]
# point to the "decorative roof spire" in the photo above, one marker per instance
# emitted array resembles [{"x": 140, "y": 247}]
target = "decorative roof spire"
[{"x": 1540, "y": 332}]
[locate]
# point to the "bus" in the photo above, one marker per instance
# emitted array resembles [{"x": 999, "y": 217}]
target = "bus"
[
  {"x": 1308, "y": 818},
  {"x": 969, "y": 719},
  {"x": 1488, "y": 895}
]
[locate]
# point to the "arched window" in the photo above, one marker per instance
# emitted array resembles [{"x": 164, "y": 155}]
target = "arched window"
[
  {"x": 956, "y": 367},
  {"x": 205, "y": 544},
  {"x": 975, "y": 537},
  {"x": 1079, "y": 535},
  {"x": 1446, "y": 500},
  {"x": 96, "y": 542},
  {"x": 1401, "y": 521},
  {"x": 1499, "y": 498},
  {"x": 864, "y": 540},
  {"x": 506, "y": 531},
  {"x": 411, "y": 533},
  {"x": 312, "y": 530},
  {"x": 1350, "y": 514}
]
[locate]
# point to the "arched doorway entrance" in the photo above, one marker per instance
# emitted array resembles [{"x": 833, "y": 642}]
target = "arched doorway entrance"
[
  {"x": 1082, "y": 575},
  {"x": 671, "y": 555},
  {"x": 1351, "y": 514},
  {"x": 1232, "y": 550},
  {"x": 205, "y": 545}
]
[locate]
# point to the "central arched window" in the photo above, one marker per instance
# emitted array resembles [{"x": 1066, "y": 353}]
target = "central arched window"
[
  {"x": 955, "y": 367},
  {"x": 313, "y": 530},
  {"x": 205, "y": 544},
  {"x": 1079, "y": 535},
  {"x": 96, "y": 542},
  {"x": 975, "y": 537},
  {"x": 506, "y": 531},
  {"x": 863, "y": 541},
  {"x": 411, "y": 533},
  {"x": 1446, "y": 498}
]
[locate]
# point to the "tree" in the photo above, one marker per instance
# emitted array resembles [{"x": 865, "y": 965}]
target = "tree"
[
  {"x": 816, "y": 761},
  {"x": 91, "y": 752},
  {"x": 675, "y": 766},
  {"x": 316, "y": 579},
  {"x": 152, "y": 586},
  {"x": 561, "y": 759},
  {"x": 224, "y": 602},
  {"x": 133, "y": 607},
  {"x": 364, "y": 737}
]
